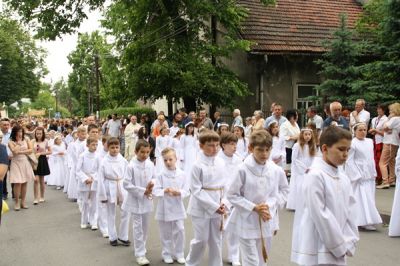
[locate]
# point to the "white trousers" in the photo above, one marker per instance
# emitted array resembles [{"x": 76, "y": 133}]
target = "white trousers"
[
  {"x": 232, "y": 243},
  {"x": 102, "y": 217},
  {"x": 172, "y": 235},
  {"x": 206, "y": 232},
  {"x": 89, "y": 207},
  {"x": 140, "y": 229},
  {"x": 251, "y": 250},
  {"x": 123, "y": 227}
]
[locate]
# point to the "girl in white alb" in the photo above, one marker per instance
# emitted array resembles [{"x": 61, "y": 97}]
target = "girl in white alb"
[
  {"x": 360, "y": 168},
  {"x": 163, "y": 141},
  {"x": 59, "y": 167},
  {"x": 278, "y": 152},
  {"x": 189, "y": 148},
  {"x": 303, "y": 154},
  {"x": 70, "y": 162},
  {"x": 243, "y": 142}
]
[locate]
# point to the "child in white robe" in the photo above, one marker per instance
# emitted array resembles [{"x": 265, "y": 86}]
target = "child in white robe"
[
  {"x": 303, "y": 154},
  {"x": 232, "y": 161},
  {"x": 324, "y": 230},
  {"x": 189, "y": 148},
  {"x": 59, "y": 167},
  {"x": 138, "y": 182},
  {"x": 254, "y": 195},
  {"x": 360, "y": 168},
  {"x": 394, "y": 226},
  {"x": 86, "y": 172},
  {"x": 176, "y": 145},
  {"x": 171, "y": 188},
  {"x": 243, "y": 142},
  {"x": 110, "y": 191},
  {"x": 78, "y": 147},
  {"x": 278, "y": 152},
  {"x": 163, "y": 141},
  {"x": 207, "y": 210},
  {"x": 70, "y": 162},
  {"x": 102, "y": 207}
]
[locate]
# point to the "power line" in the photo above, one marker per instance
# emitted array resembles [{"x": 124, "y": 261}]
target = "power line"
[{"x": 169, "y": 35}]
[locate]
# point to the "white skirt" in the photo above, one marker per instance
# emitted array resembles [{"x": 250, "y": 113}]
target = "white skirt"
[
  {"x": 394, "y": 226},
  {"x": 367, "y": 213},
  {"x": 60, "y": 171}
]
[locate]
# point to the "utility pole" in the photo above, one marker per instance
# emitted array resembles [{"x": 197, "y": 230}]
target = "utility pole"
[{"x": 96, "y": 66}]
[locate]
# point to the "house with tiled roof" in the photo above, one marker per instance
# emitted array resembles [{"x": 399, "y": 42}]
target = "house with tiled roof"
[{"x": 287, "y": 38}]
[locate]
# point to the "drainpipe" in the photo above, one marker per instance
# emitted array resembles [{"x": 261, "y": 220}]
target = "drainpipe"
[{"x": 263, "y": 71}]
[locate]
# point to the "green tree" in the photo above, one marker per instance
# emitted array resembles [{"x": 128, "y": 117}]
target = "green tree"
[
  {"x": 339, "y": 66},
  {"x": 167, "y": 47},
  {"x": 380, "y": 77},
  {"x": 82, "y": 80},
  {"x": 21, "y": 62}
]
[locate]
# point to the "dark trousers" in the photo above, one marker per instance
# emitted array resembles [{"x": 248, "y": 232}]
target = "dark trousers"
[{"x": 4, "y": 189}]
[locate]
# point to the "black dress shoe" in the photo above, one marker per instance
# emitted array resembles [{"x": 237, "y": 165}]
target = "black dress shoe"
[
  {"x": 125, "y": 243},
  {"x": 114, "y": 243}
]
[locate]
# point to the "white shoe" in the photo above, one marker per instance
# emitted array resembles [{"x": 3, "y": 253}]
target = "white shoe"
[
  {"x": 105, "y": 235},
  {"x": 181, "y": 260},
  {"x": 84, "y": 226},
  {"x": 369, "y": 228},
  {"x": 236, "y": 263},
  {"x": 142, "y": 261},
  {"x": 94, "y": 227},
  {"x": 168, "y": 260}
]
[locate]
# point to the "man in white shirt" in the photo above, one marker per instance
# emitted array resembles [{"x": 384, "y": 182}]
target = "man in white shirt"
[
  {"x": 130, "y": 133},
  {"x": 313, "y": 117},
  {"x": 359, "y": 114},
  {"x": 114, "y": 127}
]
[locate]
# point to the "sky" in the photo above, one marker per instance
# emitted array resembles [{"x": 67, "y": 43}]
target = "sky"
[{"x": 58, "y": 50}]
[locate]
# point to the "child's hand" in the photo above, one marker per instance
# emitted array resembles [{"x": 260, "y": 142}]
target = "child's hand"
[
  {"x": 167, "y": 191},
  {"x": 221, "y": 209},
  {"x": 263, "y": 210},
  {"x": 176, "y": 193}
]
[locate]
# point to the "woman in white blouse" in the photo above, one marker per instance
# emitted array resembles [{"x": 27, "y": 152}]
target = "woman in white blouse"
[
  {"x": 290, "y": 131},
  {"x": 377, "y": 131}
]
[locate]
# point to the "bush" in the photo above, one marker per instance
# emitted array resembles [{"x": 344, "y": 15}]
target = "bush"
[{"x": 138, "y": 110}]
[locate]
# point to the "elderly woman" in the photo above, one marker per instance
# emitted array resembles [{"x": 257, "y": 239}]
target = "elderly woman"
[
  {"x": 20, "y": 170},
  {"x": 259, "y": 125},
  {"x": 158, "y": 124},
  {"x": 290, "y": 132},
  {"x": 391, "y": 141}
]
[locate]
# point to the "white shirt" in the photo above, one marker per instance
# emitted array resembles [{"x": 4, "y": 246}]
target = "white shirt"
[
  {"x": 377, "y": 123},
  {"x": 392, "y": 137},
  {"x": 114, "y": 127},
  {"x": 137, "y": 177},
  {"x": 317, "y": 120},
  {"x": 254, "y": 184},
  {"x": 171, "y": 208},
  {"x": 287, "y": 130},
  {"x": 87, "y": 166},
  {"x": 363, "y": 116}
]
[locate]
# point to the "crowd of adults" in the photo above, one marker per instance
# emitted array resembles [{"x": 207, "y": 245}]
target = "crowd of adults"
[{"x": 16, "y": 148}]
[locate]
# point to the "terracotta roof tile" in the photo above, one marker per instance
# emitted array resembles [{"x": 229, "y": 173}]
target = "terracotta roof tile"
[{"x": 297, "y": 26}]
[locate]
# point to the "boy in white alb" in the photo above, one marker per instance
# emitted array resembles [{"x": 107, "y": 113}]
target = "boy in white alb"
[
  {"x": 254, "y": 195},
  {"x": 324, "y": 230},
  {"x": 110, "y": 191},
  {"x": 171, "y": 188},
  {"x": 207, "y": 185},
  {"x": 232, "y": 161},
  {"x": 86, "y": 172},
  {"x": 102, "y": 207},
  {"x": 138, "y": 182}
]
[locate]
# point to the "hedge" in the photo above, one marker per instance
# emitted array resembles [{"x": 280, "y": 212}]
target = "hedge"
[{"x": 138, "y": 110}]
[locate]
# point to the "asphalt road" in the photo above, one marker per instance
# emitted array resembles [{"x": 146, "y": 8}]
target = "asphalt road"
[{"x": 50, "y": 234}]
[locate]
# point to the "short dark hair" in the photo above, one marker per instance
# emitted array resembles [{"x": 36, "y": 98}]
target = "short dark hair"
[
  {"x": 5, "y": 119},
  {"x": 91, "y": 126},
  {"x": 291, "y": 113},
  {"x": 207, "y": 136},
  {"x": 332, "y": 135},
  {"x": 141, "y": 143},
  {"x": 112, "y": 141},
  {"x": 90, "y": 140},
  {"x": 313, "y": 109},
  {"x": 260, "y": 138},
  {"x": 183, "y": 109},
  {"x": 228, "y": 138}
]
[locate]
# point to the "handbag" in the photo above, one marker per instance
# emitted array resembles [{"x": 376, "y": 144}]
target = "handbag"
[
  {"x": 33, "y": 160},
  {"x": 5, "y": 208}
]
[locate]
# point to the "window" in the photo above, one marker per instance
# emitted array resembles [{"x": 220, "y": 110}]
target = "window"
[{"x": 303, "y": 101}]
